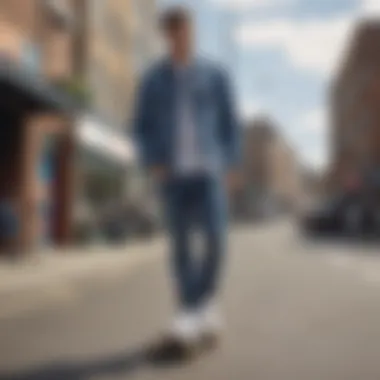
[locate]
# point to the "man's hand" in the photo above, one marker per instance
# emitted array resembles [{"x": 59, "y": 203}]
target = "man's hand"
[
  {"x": 159, "y": 173},
  {"x": 233, "y": 182}
]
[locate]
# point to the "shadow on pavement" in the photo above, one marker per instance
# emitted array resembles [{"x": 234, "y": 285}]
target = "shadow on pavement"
[
  {"x": 123, "y": 364},
  {"x": 369, "y": 244},
  {"x": 126, "y": 364}
]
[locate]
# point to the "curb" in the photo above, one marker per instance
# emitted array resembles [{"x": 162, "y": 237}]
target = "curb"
[{"x": 63, "y": 278}]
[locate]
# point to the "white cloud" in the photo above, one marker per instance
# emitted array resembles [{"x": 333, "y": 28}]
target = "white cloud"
[
  {"x": 242, "y": 5},
  {"x": 311, "y": 135},
  {"x": 312, "y": 149},
  {"x": 316, "y": 46},
  {"x": 309, "y": 45},
  {"x": 366, "y": 7},
  {"x": 249, "y": 109},
  {"x": 317, "y": 158},
  {"x": 315, "y": 121},
  {"x": 370, "y": 7}
]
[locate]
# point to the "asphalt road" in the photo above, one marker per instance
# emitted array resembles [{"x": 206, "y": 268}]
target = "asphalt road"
[{"x": 295, "y": 310}]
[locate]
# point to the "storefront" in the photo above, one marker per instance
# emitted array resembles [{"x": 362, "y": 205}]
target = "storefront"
[
  {"x": 105, "y": 165},
  {"x": 35, "y": 157}
]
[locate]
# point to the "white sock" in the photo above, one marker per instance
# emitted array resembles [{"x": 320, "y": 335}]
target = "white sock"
[{"x": 186, "y": 325}]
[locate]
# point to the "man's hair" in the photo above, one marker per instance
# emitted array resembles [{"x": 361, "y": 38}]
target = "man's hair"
[{"x": 174, "y": 17}]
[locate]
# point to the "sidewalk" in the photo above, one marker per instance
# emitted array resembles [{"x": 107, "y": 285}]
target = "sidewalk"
[{"x": 57, "y": 276}]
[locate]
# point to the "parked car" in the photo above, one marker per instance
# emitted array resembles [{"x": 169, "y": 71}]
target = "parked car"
[{"x": 347, "y": 214}]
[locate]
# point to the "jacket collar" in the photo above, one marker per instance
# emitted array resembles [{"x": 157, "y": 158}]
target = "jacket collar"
[{"x": 169, "y": 67}]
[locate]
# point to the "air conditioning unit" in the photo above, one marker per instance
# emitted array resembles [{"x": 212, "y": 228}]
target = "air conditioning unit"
[{"x": 62, "y": 13}]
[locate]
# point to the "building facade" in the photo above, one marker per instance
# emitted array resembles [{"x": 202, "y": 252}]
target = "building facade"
[
  {"x": 355, "y": 96},
  {"x": 147, "y": 45},
  {"x": 108, "y": 61},
  {"x": 270, "y": 170},
  {"x": 113, "y": 45},
  {"x": 284, "y": 174},
  {"x": 36, "y": 40},
  {"x": 94, "y": 51}
]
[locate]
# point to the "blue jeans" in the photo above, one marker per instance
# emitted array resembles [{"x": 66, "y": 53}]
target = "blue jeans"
[{"x": 197, "y": 202}]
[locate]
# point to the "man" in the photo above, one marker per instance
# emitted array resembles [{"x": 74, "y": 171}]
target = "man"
[{"x": 189, "y": 141}]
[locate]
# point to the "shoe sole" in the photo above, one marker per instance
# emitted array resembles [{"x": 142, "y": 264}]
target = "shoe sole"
[{"x": 173, "y": 352}]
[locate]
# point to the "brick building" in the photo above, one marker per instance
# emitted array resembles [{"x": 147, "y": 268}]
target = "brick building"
[
  {"x": 115, "y": 42},
  {"x": 270, "y": 170},
  {"x": 146, "y": 41},
  {"x": 96, "y": 49},
  {"x": 284, "y": 173},
  {"x": 107, "y": 58},
  {"x": 104, "y": 68},
  {"x": 355, "y": 111},
  {"x": 36, "y": 39}
]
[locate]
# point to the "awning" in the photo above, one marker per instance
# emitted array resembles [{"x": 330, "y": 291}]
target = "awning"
[
  {"x": 102, "y": 139},
  {"x": 21, "y": 89}
]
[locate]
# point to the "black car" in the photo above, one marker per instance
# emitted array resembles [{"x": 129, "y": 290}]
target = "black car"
[{"x": 346, "y": 214}]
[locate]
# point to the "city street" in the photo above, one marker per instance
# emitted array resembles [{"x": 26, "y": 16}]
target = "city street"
[{"x": 294, "y": 309}]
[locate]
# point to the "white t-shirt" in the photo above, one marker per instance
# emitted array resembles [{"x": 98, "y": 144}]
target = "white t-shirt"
[{"x": 189, "y": 158}]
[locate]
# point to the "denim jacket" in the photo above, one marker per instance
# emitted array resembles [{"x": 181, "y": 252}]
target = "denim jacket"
[{"x": 214, "y": 113}]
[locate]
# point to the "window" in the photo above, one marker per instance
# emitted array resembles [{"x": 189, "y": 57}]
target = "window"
[
  {"x": 61, "y": 12},
  {"x": 116, "y": 30},
  {"x": 97, "y": 12},
  {"x": 31, "y": 57}
]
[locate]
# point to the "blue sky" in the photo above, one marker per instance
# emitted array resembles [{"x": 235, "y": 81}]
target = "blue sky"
[{"x": 282, "y": 55}]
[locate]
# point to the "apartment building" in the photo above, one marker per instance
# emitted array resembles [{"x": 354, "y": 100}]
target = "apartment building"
[
  {"x": 113, "y": 47},
  {"x": 109, "y": 67},
  {"x": 284, "y": 173},
  {"x": 103, "y": 68},
  {"x": 270, "y": 170},
  {"x": 355, "y": 111},
  {"x": 146, "y": 42},
  {"x": 36, "y": 40}
]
